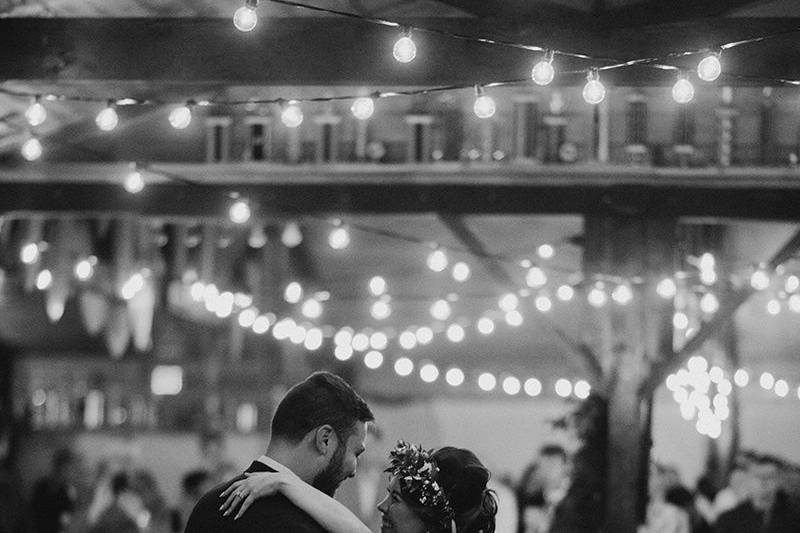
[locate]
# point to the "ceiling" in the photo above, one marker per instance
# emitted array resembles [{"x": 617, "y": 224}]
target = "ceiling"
[{"x": 618, "y": 29}]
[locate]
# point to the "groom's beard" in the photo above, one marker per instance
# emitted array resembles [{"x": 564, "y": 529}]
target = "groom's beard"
[{"x": 329, "y": 479}]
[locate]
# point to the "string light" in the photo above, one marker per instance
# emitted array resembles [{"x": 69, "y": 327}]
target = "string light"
[
  {"x": 424, "y": 335},
  {"x": 311, "y": 308},
  {"x": 403, "y": 366},
  {"x": 666, "y": 288},
  {"x": 535, "y": 278},
  {"x": 593, "y": 92},
  {"x": 794, "y": 303},
  {"x": 429, "y": 373},
  {"x": 597, "y": 297},
  {"x": 622, "y": 294},
  {"x": 31, "y": 149},
  {"x": 36, "y": 113},
  {"x": 514, "y": 318},
  {"x": 461, "y": 272},
  {"x": 247, "y": 317},
  {"x": 680, "y": 320},
  {"x": 582, "y": 389},
  {"x": 543, "y": 71},
  {"x": 437, "y": 260},
  {"x": 546, "y": 251},
  {"x": 440, "y": 310},
  {"x": 360, "y": 342},
  {"x": 292, "y": 115},
  {"x": 487, "y": 381},
  {"x": 773, "y": 306},
  {"x": 709, "y": 303},
  {"x": 342, "y": 352},
  {"x": 107, "y": 119},
  {"x": 407, "y": 340},
  {"x": 511, "y": 385},
  {"x": 484, "y": 106},
  {"x": 767, "y": 381},
  {"x": 339, "y": 238},
  {"x": 377, "y": 285},
  {"x": 563, "y": 387},
  {"x": 378, "y": 340},
  {"x": 792, "y": 283},
  {"x": 455, "y": 333},
  {"x": 363, "y": 108},
  {"x": 180, "y": 117},
  {"x": 261, "y": 325},
  {"x": 404, "y": 49},
  {"x": 239, "y": 212},
  {"x": 245, "y": 18},
  {"x": 683, "y": 90},
  {"x": 133, "y": 182},
  {"x": 485, "y": 325},
  {"x": 741, "y": 377},
  {"x": 44, "y": 279},
  {"x": 533, "y": 387},
  {"x": 565, "y": 293},
  {"x": 293, "y": 292},
  {"x": 709, "y": 68},
  {"x": 759, "y": 280},
  {"x": 454, "y": 377},
  {"x": 781, "y": 388},
  {"x": 380, "y": 310},
  {"x": 29, "y": 254},
  {"x": 291, "y": 236},
  {"x": 543, "y": 303},
  {"x": 508, "y": 302},
  {"x": 84, "y": 269},
  {"x": 373, "y": 359}
]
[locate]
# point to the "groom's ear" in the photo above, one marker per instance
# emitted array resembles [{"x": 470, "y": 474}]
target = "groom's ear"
[{"x": 325, "y": 440}]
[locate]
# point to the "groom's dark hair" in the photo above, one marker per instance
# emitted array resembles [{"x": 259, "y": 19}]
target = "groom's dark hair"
[{"x": 321, "y": 398}]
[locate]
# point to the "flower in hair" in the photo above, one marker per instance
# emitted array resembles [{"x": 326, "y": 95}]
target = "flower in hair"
[{"x": 415, "y": 469}]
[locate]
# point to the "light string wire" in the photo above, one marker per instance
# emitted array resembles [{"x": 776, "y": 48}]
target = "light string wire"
[{"x": 650, "y": 62}]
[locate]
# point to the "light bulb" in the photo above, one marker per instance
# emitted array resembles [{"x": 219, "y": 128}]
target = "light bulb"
[
  {"x": 339, "y": 238},
  {"x": 380, "y": 310},
  {"x": 180, "y": 117},
  {"x": 511, "y": 385},
  {"x": 454, "y": 377},
  {"x": 759, "y": 280},
  {"x": 31, "y": 149},
  {"x": 44, "y": 279},
  {"x": 680, "y": 320},
  {"x": 773, "y": 307},
  {"x": 582, "y": 389},
  {"x": 107, "y": 119},
  {"x": 245, "y": 18},
  {"x": 533, "y": 387},
  {"x": 535, "y": 277},
  {"x": 377, "y": 285},
  {"x": 404, "y": 49},
  {"x": 508, "y": 302},
  {"x": 597, "y": 297},
  {"x": 291, "y": 236},
  {"x": 565, "y": 293},
  {"x": 293, "y": 292},
  {"x": 311, "y": 308},
  {"x": 29, "y": 253},
  {"x": 133, "y": 182},
  {"x": 487, "y": 381},
  {"x": 546, "y": 251},
  {"x": 543, "y": 303},
  {"x": 363, "y": 108},
  {"x": 485, "y": 325},
  {"x": 484, "y": 106},
  {"x": 407, "y": 340},
  {"x": 437, "y": 260},
  {"x": 429, "y": 373},
  {"x": 36, "y": 114},
  {"x": 373, "y": 359},
  {"x": 261, "y": 325},
  {"x": 403, "y": 366},
  {"x": 424, "y": 335},
  {"x": 239, "y": 212},
  {"x": 666, "y": 288},
  {"x": 455, "y": 333},
  {"x": 622, "y": 294},
  {"x": 84, "y": 269},
  {"x": 741, "y": 377},
  {"x": 709, "y": 303},
  {"x": 440, "y": 310},
  {"x": 709, "y": 68},
  {"x": 461, "y": 271},
  {"x": 593, "y": 92},
  {"x": 292, "y": 115},
  {"x": 543, "y": 72},
  {"x": 683, "y": 91},
  {"x": 563, "y": 387}
]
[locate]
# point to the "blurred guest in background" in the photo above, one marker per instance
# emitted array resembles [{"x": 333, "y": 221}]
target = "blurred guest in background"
[
  {"x": 768, "y": 509},
  {"x": 194, "y": 484},
  {"x": 663, "y": 516},
  {"x": 543, "y": 485},
  {"x": 55, "y": 496},
  {"x": 122, "y": 515}
]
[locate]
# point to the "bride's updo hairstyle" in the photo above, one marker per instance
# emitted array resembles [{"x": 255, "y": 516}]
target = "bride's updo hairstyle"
[
  {"x": 445, "y": 488},
  {"x": 464, "y": 479}
]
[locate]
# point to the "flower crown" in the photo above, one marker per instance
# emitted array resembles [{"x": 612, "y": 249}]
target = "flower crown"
[{"x": 416, "y": 472}]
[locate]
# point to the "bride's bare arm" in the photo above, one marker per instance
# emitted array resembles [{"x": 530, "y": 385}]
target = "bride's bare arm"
[{"x": 329, "y": 513}]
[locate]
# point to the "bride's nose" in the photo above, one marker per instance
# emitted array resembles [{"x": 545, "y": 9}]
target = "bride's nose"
[{"x": 383, "y": 506}]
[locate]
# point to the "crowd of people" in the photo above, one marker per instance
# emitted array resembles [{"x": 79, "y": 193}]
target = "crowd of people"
[{"x": 447, "y": 490}]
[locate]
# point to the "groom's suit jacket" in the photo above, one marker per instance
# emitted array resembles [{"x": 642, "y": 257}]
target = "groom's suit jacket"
[{"x": 271, "y": 514}]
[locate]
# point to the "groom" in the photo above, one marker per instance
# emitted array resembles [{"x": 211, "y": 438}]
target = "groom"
[{"x": 318, "y": 432}]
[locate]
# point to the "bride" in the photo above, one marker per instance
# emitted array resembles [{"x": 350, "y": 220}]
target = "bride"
[{"x": 442, "y": 491}]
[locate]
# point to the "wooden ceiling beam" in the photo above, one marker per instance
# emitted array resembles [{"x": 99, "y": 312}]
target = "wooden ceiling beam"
[{"x": 173, "y": 200}]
